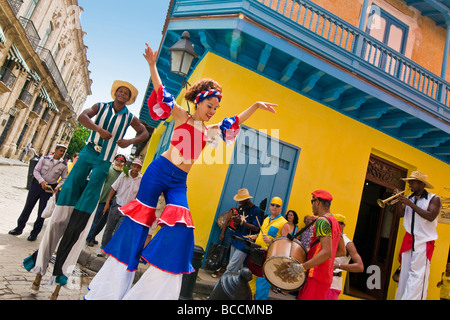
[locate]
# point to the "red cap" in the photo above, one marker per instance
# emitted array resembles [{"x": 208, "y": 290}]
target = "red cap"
[{"x": 322, "y": 194}]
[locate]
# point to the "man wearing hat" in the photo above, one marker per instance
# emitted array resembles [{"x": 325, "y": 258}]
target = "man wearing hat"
[
  {"x": 46, "y": 174},
  {"x": 79, "y": 196},
  {"x": 125, "y": 188},
  {"x": 324, "y": 248},
  {"x": 246, "y": 222},
  {"x": 270, "y": 229},
  {"x": 420, "y": 211}
]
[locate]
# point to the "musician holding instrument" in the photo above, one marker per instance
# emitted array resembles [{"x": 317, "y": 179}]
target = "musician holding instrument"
[
  {"x": 246, "y": 222},
  {"x": 270, "y": 229},
  {"x": 420, "y": 211},
  {"x": 324, "y": 248}
]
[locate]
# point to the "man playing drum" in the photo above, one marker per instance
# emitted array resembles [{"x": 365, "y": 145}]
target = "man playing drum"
[
  {"x": 324, "y": 248},
  {"x": 270, "y": 229}
]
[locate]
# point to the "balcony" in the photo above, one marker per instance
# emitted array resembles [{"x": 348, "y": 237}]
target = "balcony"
[
  {"x": 47, "y": 57},
  {"x": 46, "y": 116},
  {"x": 7, "y": 79},
  {"x": 15, "y": 5},
  {"x": 31, "y": 31},
  {"x": 37, "y": 108},
  {"x": 315, "y": 53},
  {"x": 25, "y": 98}
]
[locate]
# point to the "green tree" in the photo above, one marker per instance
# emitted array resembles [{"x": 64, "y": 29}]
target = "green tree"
[{"x": 78, "y": 140}]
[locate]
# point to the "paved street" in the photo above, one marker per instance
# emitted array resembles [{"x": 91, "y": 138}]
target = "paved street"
[{"x": 15, "y": 281}]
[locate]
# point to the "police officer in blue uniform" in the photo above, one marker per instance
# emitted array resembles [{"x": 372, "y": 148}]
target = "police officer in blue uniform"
[{"x": 46, "y": 174}]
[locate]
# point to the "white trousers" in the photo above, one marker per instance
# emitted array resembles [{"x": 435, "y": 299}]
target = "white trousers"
[
  {"x": 113, "y": 282},
  {"x": 414, "y": 273},
  {"x": 53, "y": 234}
]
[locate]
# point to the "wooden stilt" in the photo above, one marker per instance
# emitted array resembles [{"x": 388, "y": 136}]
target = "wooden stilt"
[
  {"x": 55, "y": 293},
  {"x": 36, "y": 283}
]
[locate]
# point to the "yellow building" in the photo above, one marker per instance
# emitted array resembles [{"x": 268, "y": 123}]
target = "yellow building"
[{"x": 344, "y": 123}]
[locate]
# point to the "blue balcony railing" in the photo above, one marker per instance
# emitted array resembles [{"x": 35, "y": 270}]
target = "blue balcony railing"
[
  {"x": 353, "y": 40},
  {"x": 311, "y": 26}
]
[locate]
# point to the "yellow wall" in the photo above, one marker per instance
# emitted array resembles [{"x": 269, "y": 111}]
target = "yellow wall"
[{"x": 335, "y": 150}]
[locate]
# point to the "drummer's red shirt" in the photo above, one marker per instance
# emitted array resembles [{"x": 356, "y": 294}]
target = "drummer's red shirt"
[{"x": 322, "y": 273}]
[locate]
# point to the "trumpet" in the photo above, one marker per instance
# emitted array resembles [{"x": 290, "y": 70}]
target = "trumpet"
[{"x": 390, "y": 200}]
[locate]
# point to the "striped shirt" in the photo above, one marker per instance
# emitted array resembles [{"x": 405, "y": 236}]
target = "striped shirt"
[{"x": 116, "y": 123}]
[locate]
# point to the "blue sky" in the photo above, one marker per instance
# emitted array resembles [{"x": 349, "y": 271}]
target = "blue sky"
[{"x": 116, "y": 33}]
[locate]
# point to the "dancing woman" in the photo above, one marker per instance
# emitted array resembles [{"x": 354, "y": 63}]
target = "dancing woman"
[{"x": 170, "y": 251}]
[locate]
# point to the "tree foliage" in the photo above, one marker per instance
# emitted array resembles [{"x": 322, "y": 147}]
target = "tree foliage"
[{"x": 78, "y": 140}]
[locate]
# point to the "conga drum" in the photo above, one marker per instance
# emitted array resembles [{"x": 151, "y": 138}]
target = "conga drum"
[{"x": 281, "y": 252}]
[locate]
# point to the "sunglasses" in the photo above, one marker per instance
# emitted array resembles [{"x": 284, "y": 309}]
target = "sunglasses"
[
  {"x": 275, "y": 205},
  {"x": 313, "y": 200}
]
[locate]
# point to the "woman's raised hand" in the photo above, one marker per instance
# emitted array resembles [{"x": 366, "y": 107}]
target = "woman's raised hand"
[
  {"x": 266, "y": 106},
  {"x": 150, "y": 55}
]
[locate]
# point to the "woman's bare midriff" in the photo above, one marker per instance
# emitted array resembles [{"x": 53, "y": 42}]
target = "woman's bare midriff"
[{"x": 178, "y": 160}]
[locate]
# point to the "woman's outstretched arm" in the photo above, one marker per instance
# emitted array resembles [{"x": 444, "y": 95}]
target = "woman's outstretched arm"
[{"x": 257, "y": 105}]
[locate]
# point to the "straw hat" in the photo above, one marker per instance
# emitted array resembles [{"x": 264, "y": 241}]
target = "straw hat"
[
  {"x": 119, "y": 83},
  {"x": 417, "y": 175},
  {"x": 242, "y": 195}
]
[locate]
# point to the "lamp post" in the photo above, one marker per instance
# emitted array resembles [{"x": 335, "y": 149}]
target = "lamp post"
[
  {"x": 13, "y": 111},
  {"x": 182, "y": 54}
]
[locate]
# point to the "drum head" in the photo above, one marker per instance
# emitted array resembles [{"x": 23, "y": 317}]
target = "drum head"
[{"x": 272, "y": 272}]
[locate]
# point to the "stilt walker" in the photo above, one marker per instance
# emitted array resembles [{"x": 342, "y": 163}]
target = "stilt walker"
[
  {"x": 79, "y": 196},
  {"x": 170, "y": 251}
]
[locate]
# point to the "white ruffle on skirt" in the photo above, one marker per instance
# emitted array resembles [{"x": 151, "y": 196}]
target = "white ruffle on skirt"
[
  {"x": 112, "y": 282},
  {"x": 156, "y": 284}
]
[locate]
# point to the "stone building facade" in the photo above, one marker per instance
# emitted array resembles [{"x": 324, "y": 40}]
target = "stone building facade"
[{"x": 44, "y": 76}]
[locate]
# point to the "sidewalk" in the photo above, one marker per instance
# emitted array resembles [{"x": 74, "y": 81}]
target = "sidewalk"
[
  {"x": 12, "y": 162},
  {"x": 15, "y": 281},
  {"x": 91, "y": 263}
]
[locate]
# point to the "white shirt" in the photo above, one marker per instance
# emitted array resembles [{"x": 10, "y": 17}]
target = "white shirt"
[
  {"x": 50, "y": 170},
  {"x": 337, "y": 281},
  {"x": 126, "y": 188},
  {"x": 424, "y": 230}
]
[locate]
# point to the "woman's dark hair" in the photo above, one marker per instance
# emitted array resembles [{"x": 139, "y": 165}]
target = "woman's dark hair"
[
  {"x": 202, "y": 85},
  {"x": 295, "y": 216}
]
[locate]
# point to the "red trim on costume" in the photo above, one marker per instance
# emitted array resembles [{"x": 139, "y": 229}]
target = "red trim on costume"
[
  {"x": 165, "y": 270},
  {"x": 158, "y": 108},
  {"x": 139, "y": 212},
  {"x": 108, "y": 254},
  {"x": 407, "y": 244},
  {"x": 173, "y": 214}
]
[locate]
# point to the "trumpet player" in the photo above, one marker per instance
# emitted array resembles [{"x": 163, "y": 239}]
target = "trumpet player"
[{"x": 420, "y": 211}]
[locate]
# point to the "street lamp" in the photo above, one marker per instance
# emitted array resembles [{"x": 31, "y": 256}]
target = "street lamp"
[
  {"x": 182, "y": 54},
  {"x": 12, "y": 112}
]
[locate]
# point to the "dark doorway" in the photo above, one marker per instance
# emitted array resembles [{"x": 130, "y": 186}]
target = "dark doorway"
[
  {"x": 376, "y": 228},
  {"x": 6, "y": 129}
]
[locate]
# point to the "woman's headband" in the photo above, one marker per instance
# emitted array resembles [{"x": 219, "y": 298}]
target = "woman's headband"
[{"x": 207, "y": 94}]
